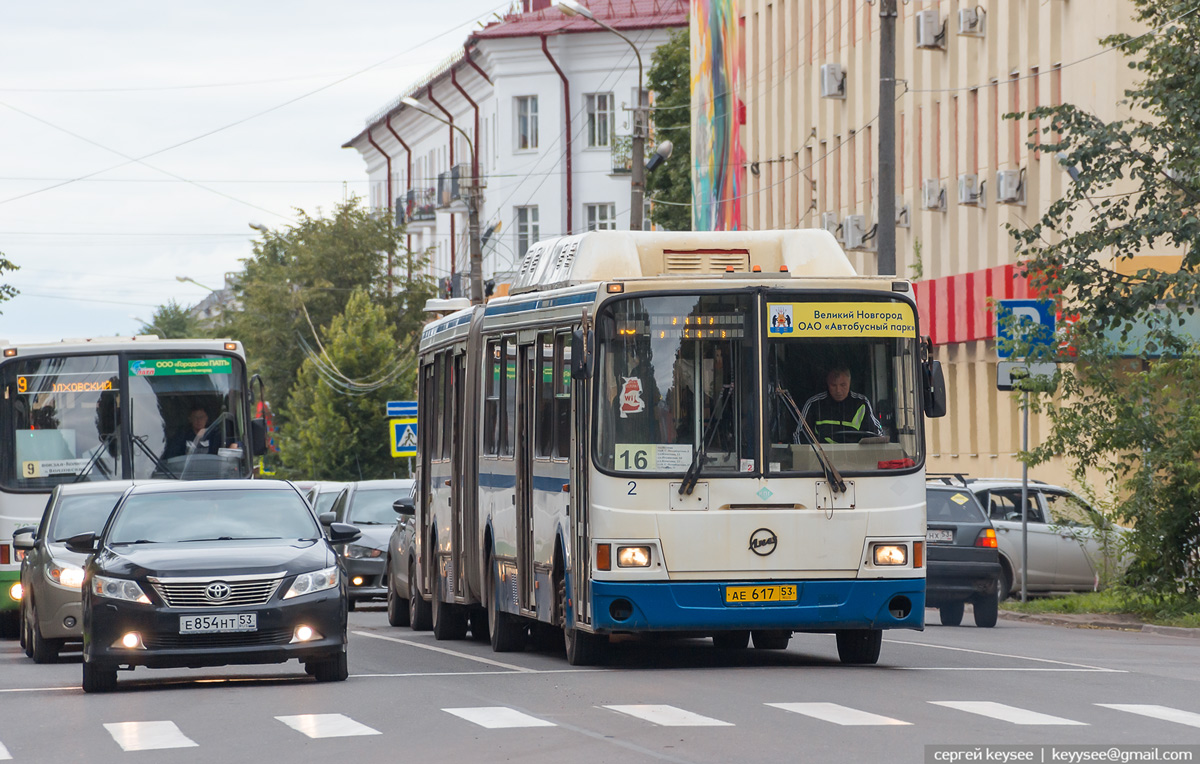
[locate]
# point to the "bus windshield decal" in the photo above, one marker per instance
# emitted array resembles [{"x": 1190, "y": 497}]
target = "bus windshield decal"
[
  {"x": 840, "y": 319},
  {"x": 167, "y": 367}
]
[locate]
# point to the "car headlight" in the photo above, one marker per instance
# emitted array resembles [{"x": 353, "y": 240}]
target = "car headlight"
[
  {"x": 65, "y": 575},
  {"x": 360, "y": 552},
  {"x": 317, "y": 581},
  {"x": 118, "y": 589}
]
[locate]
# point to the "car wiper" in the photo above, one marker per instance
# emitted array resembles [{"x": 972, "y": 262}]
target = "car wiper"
[
  {"x": 139, "y": 541},
  {"x": 832, "y": 476},
  {"x": 368, "y": 522},
  {"x": 692, "y": 476}
]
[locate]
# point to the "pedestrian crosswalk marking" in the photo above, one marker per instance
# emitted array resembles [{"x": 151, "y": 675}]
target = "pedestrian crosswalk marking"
[
  {"x": 1157, "y": 712},
  {"x": 1006, "y": 713},
  {"x": 327, "y": 725},
  {"x": 843, "y": 715},
  {"x": 498, "y": 717},
  {"x": 4, "y": 754},
  {"x": 148, "y": 736},
  {"x": 668, "y": 716}
]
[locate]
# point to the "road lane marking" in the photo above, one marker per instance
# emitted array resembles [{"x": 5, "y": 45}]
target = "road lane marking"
[
  {"x": 40, "y": 689},
  {"x": 444, "y": 651},
  {"x": 668, "y": 716},
  {"x": 843, "y": 715},
  {"x": 4, "y": 754},
  {"x": 1006, "y": 713},
  {"x": 1003, "y": 655},
  {"x": 498, "y": 717},
  {"x": 327, "y": 725},
  {"x": 148, "y": 736},
  {"x": 1165, "y": 713},
  {"x": 480, "y": 673}
]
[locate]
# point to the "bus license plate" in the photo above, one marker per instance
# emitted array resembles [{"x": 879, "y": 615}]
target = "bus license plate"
[
  {"x": 218, "y": 624},
  {"x": 746, "y": 595}
]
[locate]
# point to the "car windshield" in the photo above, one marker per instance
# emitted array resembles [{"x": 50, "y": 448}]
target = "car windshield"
[
  {"x": 193, "y": 515},
  {"x": 85, "y": 513},
  {"x": 953, "y": 507},
  {"x": 374, "y": 507},
  {"x": 325, "y": 500}
]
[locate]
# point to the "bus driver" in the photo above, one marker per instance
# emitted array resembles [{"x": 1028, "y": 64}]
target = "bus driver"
[{"x": 837, "y": 413}]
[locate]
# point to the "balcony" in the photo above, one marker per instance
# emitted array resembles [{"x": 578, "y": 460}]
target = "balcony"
[
  {"x": 454, "y": 184},
  {"x": 622, "y": 154},
  {"x": 419, "y": 205}
]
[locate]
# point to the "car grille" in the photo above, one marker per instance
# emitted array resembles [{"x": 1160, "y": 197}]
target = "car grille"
[
  {"x": 191, "y": 593},
  {"x": 198, "y": 641}
]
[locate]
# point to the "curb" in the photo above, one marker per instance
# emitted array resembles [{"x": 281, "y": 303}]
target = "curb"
[{"x": 1100, "y": 621}]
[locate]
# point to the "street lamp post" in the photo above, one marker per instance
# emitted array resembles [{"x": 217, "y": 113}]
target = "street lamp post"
[
  {"x": 637, "y": 184},
  {"x": 187, "y": 279},
  {"x": 474, "y": 198}
]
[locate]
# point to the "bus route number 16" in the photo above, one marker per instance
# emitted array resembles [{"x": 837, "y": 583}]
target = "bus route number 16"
[{"x": 633, "y": 458}]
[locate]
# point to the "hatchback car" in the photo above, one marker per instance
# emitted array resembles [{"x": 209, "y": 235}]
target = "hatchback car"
[
  {"x": 962, "y": 562},
  {"x": 51, "y": 574},
  {"x": 1072, "y": 548},
  {"x": 367, "y": 505},
  {"x": 212, "y": 573}
]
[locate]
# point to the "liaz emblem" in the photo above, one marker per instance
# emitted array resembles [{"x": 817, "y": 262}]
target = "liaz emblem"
[{"x": 763, "y": 541}]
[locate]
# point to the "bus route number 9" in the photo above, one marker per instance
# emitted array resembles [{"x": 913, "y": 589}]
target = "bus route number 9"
[{"x": 22, "y": 384}]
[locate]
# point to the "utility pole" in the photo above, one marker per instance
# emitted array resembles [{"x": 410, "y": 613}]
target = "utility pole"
[{"x": 885, "y": 233}]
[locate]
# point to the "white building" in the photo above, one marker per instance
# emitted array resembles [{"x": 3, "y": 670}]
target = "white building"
[{"x": 545, "y": 99}]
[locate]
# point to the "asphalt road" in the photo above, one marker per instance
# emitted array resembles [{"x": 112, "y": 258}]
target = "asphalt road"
[{"x": 410, "y": 698}]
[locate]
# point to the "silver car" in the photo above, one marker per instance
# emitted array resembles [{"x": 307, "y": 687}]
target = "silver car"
[
  {"x": 51, "y": 574},
  {"x": 1072, "y": 548}
]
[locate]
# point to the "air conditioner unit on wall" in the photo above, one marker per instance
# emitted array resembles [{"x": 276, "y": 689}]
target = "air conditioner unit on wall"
[
  {"x": 1010, "y": 187},
  {"x": 933, "y": 195},
  {"x": 903, "y": 219},
  {"x": 829, "y": 221},
  {"x": 931, "y": 30},
  {"x": 854, "y": 229},
  {"x": 968, "y": 188},
  {"x": 833, "y": 81},
  {"x": 972, "y": 22}
]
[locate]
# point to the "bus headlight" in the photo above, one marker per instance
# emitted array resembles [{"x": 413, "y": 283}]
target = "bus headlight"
[
  {"x": 633, "y": 557},
  {"x": 890, "y": 554}
]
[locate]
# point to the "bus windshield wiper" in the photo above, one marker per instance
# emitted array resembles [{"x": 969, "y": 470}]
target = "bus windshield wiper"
[
  {"x": 94, "y": 459},
  {"x": 833, "y": 477},
  {"x": 693, "y": 472}
]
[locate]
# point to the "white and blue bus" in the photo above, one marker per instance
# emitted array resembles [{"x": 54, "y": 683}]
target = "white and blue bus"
[
  {"x": 621, "y": 445},
  {"x": 114, "y": 409}
]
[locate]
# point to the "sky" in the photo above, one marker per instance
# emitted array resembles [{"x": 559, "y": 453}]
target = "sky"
[{"x": 85, "y": 87}]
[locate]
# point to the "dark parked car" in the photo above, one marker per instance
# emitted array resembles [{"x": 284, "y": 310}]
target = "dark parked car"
[
  {"x": 963, "y": 563},
  {"x": 212, "y": 573},
  {"x": 367, "y": 505},
  {"x": 405, "y": 607}
]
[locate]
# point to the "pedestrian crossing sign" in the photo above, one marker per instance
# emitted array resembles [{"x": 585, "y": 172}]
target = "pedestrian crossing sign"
[{"x": 404, "y": 436}]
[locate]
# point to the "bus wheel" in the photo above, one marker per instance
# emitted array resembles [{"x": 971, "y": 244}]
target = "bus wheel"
[
  {"x": 507, "y": 633},
  {"x": 859, "y": 646},
  {"x": 582, "y": 648},
  {"x": 771, "y": 639},
  {"x": 449, "y": 621},
  {"x": 732, "y": 640},
  {"x": 420, "y": 615},
  {"x": 478, "y": 621}
]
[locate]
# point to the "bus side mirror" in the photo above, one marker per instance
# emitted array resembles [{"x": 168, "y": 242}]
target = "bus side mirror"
[
  {"x": 935, "y": 390},
  {"x": 258, "y": 436},
  {"x": 581, "y": 365}
]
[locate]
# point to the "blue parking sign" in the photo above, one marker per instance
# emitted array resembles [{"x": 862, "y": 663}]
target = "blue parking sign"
[{"x": 1031, "y": 321}]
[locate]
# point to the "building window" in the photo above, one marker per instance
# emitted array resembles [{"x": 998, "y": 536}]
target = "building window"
[
  {"x": 527, "y": 122},
  {"x": 599, "y": 107},
  {"x": 601, "y": 217},
  {"x": 527, "y": 229}
]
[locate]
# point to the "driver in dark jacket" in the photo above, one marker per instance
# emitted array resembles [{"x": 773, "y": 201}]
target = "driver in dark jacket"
[{"x": 831, "y": 414}]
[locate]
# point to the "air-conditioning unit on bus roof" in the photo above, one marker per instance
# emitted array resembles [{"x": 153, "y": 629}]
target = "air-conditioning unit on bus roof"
[
  {"x": 933, "y": 195},
  {"x": 931, "y": 30},
  {"x": 833, "y": 81},
  {"x": 972, "y": 22}
]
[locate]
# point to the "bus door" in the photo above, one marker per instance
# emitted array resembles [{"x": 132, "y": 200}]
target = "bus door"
[
  {"x": 458, "y": 542},
  {"x": 581, "y": 543},
  {"x": 528, "y": 367}
]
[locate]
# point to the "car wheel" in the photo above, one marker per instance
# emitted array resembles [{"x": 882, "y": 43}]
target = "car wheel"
[
  {"x": 22, "y": 625},
  {"x": 449, "y": 621},
  {"x": 951, "y": 614},
  {"x": 98, "y": 678},
  {"x": 26, "y": 639},
  {"x": 506, "y": 632},
  {"x": 859, "y": 646},
  {"x": 987, "y": 610},
  {"x": 420, "y": 615},
  {"x": 771, "y": 639},
  {"x": 397, "y": 608},
  {"x": 42, "y": 650},
  {"x": 731, "y": 640},
  {"x": 333, "y": 670},
  {"x": 350, "y": 604},
  {"x": 1006, "y": 584}
]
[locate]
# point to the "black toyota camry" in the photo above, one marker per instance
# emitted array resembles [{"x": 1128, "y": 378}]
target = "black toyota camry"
[{"x": 213, "y": 573}]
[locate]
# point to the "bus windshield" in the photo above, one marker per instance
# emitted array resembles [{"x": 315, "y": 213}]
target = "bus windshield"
[{"x": 676, "y": 375}]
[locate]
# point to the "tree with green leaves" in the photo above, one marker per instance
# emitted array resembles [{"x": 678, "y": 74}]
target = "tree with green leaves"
[
  {"x": 338, "y": 430},
  {"x": 172, "y": 321},
  {"x": 670, "y": 79},
  {"x": 1130, "y": 363}
]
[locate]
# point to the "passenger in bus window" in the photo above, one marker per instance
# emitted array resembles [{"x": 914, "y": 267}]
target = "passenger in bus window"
[
  {"x": 838, "y": 415},
  {"x": 196, "y": 437}
]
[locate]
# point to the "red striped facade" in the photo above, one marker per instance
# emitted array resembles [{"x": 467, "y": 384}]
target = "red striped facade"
[{"x": 957, "y": 308}]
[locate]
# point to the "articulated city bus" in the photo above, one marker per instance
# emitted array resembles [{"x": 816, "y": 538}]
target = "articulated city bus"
[
  {"x": 111, "y": 409},
  {"x": 625, "y": 444}
]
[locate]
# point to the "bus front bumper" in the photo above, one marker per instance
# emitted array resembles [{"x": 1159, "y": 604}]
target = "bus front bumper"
[{"x": 701, "y": 606}]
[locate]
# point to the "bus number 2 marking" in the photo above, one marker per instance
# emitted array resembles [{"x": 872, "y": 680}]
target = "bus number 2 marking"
[{"x": 632, "y": 488}]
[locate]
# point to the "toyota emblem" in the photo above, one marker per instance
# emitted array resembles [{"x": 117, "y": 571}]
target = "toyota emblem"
[
  {"x": 217, "y": 591},
  {"x": 763, "y": 541}
]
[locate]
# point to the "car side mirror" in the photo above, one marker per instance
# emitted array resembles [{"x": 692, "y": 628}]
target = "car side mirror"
[
  {"x": 327, "y": 518},
  {"x": 935, "y": 390},
  {"x": 258, "y": 436},
  {"x": 404, "y": 507},
  {"x": 25, "y": 538},
  {"x": 84, "y": 543},
  {"x": 341, "y": 533}
]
